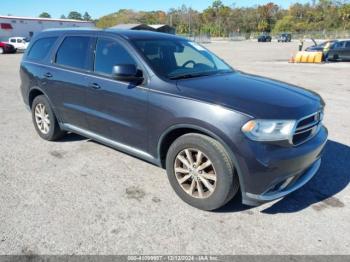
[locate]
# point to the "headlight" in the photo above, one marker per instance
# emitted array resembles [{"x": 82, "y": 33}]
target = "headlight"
[{"x": 269, "y": 130}]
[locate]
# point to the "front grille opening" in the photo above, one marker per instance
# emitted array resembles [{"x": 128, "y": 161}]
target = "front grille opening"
[
  {"x": 299, "y": 138},
  {"x": 306, "y": 128},
  {"x": 307, "y": 121},
  {"x": 277, "y": 186},
  {"x": 284, "y": 184}
]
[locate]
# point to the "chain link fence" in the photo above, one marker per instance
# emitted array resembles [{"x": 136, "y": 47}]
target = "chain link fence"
[
  {"x": 201, "y": 38},
  {"x": 336, "y": 34},
  {"x": 242, "y": 36}
]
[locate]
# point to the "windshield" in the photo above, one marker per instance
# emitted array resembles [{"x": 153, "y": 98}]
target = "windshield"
[
  {"x": 175, "y": 59},
  {"x": 324, "y": 43}
]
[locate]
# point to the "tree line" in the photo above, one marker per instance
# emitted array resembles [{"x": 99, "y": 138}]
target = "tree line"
[
  {"x": 72, "y": 15},
  {"x": 222, "y": 20}
]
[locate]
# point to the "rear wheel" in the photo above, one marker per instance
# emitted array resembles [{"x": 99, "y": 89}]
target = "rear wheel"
[
  {"x": 44, "y": 119},
  {"x": 201, "y": 172},
  {"x": 1, "y": 50}
]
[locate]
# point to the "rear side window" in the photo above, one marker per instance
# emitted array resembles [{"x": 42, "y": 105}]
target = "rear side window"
[
  {"x": 347, "y": 45},
  {"x": 110, "y": 53},
  {"x": 41, "y": 48},
  {"x": 74, "y": 52}
]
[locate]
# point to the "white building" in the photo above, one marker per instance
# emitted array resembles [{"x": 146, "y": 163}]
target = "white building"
[{"x": 12, "y": 26}]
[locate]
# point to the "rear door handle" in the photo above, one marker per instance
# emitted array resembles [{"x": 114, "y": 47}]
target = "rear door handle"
[
  {"x": 95, "y": 86},
  {"x": 48, "y": 75}
]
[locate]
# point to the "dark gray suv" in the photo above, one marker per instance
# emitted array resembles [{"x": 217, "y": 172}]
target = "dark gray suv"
[{"x": 173, "y": 103}]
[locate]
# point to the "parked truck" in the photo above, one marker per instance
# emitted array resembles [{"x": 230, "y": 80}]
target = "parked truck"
[{"x": 20, "y": 43}]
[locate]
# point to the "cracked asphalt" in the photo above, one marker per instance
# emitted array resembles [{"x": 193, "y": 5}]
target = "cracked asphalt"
[{"x": 76, "y": 196}]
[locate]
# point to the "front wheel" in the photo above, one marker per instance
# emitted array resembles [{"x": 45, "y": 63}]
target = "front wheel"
[{"x": 201, "y": 172}]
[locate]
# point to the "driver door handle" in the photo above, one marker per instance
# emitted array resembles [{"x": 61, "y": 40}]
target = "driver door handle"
[
  {"x": 95, "y": 86},
  {"x": 48, "y": 75}
]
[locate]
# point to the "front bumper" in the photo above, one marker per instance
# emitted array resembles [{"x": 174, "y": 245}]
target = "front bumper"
[
  {"x": 269, "y": 172},
  {"x": 286, "y": 188}
]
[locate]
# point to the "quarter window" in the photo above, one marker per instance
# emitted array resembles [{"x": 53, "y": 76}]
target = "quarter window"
[
  {"x": 41, "y": 48},
  {"x": 110, "y": 53},
  {"x": 74, "y": 52}
]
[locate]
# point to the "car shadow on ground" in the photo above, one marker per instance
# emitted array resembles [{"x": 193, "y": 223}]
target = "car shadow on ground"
[
  {"x": 332, "y": 178},
  {"x": 72, "y": 137}
]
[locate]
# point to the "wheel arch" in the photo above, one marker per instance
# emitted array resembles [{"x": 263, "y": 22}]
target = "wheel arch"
[
  {"x": 174, "y": 132},
  {"x": 37, "y": 91},
  {"x": 33, "y": 93}
]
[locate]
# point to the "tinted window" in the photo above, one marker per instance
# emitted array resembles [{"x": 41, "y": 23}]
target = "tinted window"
[
  {"x": 176, "y": 57},
  {"x": 41, "y": 48},
  {"x": 110, "y": 53},
  {"x": 74, "y": 52},
  {"x": 338, "y": 45},
  {"x": 190, "y": 54},
  {"x": 347, "y": 45},
  {"x": 13, "y": 40}
]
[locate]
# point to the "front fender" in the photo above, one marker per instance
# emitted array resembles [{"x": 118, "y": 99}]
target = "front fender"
[{"x": 195, "y": 125}]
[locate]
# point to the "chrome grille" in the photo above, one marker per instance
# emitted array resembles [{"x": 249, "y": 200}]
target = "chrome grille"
[{"x": 307, "y": 127}]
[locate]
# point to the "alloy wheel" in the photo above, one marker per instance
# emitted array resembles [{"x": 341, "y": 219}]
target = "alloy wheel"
[
  {"x": 42, "y": 118},
  {"x": 195, "y": 173}
]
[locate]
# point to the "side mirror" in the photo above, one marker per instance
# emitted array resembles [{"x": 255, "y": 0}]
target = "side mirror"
[{"x": 127, "y": 73}]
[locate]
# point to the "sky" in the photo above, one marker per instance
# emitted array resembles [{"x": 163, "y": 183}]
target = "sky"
[{"x": 98, "y": 8}]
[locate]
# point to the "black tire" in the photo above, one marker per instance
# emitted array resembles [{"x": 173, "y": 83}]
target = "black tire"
[
  {"x": 226, "y": 185},
  {"x": 54, "y": 131}
]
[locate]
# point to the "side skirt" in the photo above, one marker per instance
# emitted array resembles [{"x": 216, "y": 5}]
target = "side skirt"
[{"x": 108, "y": 142}]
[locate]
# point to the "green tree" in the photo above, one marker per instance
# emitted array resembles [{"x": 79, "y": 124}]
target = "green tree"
[
  {"x": 284, "y": 25},
  {"x": 45, "y": 15},
  {"x": 86, "y": 16},
  {"x": 345, "y": 16},
  {"x": 219, "y": 19},
  {"x": 75, "y": 15},
  {"x": 63, "y": 17}
]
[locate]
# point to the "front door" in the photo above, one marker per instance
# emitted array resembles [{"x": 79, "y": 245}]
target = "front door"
[
  {"x": 337, "y": 51},
  {"x": 117, "y": 110},
  {"x": 347, "y": 51}
]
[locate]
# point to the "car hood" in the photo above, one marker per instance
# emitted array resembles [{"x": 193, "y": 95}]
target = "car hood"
[{"x": 253, "y": 95}]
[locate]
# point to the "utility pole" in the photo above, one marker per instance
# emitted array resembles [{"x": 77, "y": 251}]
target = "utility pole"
[{"x": 189, "y": 21}]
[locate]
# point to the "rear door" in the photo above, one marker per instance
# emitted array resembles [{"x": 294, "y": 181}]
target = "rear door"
[
  {"x": 68, "y": 76},
  {"x": 116, "y": 110}
]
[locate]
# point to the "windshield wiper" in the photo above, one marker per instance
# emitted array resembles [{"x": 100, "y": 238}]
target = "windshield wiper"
[
  {"x": 186, "y": 76},
  {"x": 192, "y": 75}
]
